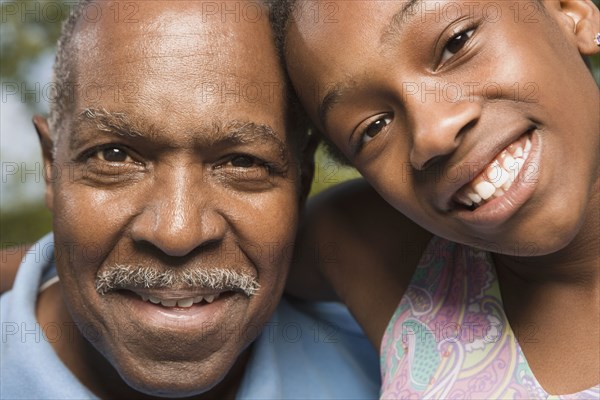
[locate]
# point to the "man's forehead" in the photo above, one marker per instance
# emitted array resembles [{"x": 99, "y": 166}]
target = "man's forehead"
[
  {"x": 174, "y": 65},
  {"x": 178, "y": 34}
]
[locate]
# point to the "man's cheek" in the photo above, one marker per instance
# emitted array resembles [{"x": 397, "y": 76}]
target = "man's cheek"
[{"x": 81, "y": 245}]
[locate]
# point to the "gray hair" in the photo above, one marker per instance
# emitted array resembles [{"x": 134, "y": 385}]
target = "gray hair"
[
  {"x": 131, "y": 276},
  {"x": 64, "y": 82},
  {"x": 63, "y": 71}
]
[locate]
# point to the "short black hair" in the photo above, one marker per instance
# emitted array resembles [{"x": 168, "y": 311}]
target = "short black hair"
[{"x": 281, "y": 10}]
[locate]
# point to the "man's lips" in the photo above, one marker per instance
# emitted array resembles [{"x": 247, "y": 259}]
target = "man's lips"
[
  {"x": 179, "y": 299},
  {"x": 172, "y": 312}
]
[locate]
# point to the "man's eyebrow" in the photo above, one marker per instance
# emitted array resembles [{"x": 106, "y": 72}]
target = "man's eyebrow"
[
  {"x": 107, "y": 121},
  {"x": 398, "y": 19},
  {"x": 244, "y": 132},
  {"x": 100, "y": 119},
  {"x": 234, "y": 132}
]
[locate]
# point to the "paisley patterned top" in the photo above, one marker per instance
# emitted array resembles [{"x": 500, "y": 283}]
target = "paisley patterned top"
[{"x": 449, "y": 338}]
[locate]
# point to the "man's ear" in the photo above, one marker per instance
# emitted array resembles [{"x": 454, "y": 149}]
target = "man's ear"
[
  {"x": 43, "y": 131},
  {"x": 583, "y": 17},
  {"x": 307, "y": 165}
]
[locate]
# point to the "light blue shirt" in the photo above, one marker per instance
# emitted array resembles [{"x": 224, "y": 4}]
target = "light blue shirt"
[{"x": 306, "y": 350}]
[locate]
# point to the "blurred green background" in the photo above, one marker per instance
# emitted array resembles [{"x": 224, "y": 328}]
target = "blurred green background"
[{"x": 28, "y": 33}]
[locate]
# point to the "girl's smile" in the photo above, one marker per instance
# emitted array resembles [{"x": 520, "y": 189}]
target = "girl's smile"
[
  {"x": 504, "y": 185},
  {"x": 408, "y": 96}
]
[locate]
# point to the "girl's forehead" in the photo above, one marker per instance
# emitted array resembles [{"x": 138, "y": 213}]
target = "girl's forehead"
[{"x": 344, "y": 37}]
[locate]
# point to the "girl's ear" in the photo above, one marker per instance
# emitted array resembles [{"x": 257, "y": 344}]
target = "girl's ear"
[
  {"x": 43, "y": 131},
  {"x": 584, "y": 19}
]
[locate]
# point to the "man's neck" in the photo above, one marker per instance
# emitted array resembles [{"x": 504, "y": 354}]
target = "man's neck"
[{"x": 94, "y": 371}]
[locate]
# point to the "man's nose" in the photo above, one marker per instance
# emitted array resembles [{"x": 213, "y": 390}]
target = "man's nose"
[
  {"x": 438, "y": 127},
  {"x": 179, "y": 215}
]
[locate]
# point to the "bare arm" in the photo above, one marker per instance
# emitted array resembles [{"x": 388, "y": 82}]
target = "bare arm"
[{"x": 357, "y": 244}]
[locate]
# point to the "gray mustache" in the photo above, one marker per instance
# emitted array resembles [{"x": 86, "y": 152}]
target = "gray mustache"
[{"x": 129, "y": 276}]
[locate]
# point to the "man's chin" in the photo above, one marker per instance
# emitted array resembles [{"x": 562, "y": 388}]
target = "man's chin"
[{"x": 174, "y": 379}]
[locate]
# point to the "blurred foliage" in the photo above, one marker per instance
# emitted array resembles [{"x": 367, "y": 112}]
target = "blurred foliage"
[
  {"x": 29, "y": 28},
  {"x": 329, "y": 172},
  {"x": 25, "y": 225}
]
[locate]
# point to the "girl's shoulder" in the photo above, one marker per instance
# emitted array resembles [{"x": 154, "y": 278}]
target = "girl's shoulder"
[{"x": 368, "y": 250}]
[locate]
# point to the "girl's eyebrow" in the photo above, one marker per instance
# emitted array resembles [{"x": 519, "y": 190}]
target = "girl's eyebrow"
[
  {"x": 333, "y": 96},
  {"x": 397, "y": 21}
]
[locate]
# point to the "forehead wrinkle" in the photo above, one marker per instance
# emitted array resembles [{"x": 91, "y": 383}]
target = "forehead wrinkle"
[{"x": 178, "y": 46}]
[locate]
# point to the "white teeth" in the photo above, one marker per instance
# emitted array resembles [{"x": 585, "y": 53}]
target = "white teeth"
[
  {"x": 508, "y": 163},
  {"x": 464, "y": 199},
  {"x": 520, "y": 162},
  {"x": 518, "y": 152},
  {"x": 527, "y": 145},
  {"x": 498, "y": 177},
  {"x": 168, "y": 303},
  {"x": 185, "y": 302},
  {"x": 475, "y": 198},
  {"x": 485, "y": 189}
]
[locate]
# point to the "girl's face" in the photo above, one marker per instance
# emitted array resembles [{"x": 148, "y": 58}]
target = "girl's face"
[{"x": 477, "y": 119}]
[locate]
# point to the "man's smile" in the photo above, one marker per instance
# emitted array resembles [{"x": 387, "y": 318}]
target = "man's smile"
[
  {"x": 170, "y": 310},
  {"x": 180, "y": 300}
]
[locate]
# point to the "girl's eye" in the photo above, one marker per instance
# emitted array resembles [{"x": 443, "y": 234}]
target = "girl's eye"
[
  {"x": 456, "y": 43},
  {"x": 113, "y": 154},
  {"x": 375, "y": 128}
]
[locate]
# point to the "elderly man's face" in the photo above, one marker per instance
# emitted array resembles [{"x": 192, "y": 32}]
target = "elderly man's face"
[{"x": 175, "y": 164}]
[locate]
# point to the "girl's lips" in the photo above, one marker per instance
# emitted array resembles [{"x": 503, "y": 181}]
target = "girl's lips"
[
  {"x": 497, "y": 178},
  {"x": 500, "y": 205}
]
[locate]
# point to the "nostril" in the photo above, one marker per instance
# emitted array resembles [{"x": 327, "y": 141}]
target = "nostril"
[
  {"x": 466, "y": 128},
  {"x": 430, "y": 162}
]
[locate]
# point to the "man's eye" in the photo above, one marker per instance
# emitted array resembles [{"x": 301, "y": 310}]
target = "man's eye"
[
  {"x": 375, "y": 128},
  {"x": 113, "y": 154},
  {"x": 456, "y": 43},
  {"x": 242, "y": 161}
]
